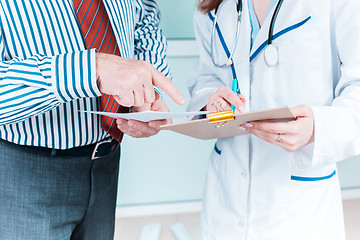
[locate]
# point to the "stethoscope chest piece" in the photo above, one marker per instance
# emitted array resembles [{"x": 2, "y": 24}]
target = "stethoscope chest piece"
[{"x": 271, "y": 55}]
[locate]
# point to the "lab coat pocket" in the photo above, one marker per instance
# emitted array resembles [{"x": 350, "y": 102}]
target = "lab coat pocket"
[
  {"x": 215, "y": 157},
  {"x": 217, "y": 150},
  {"x": 313, "y": 174},
  {"x": 315, "y": 202},
  {"x": 213, "y": 175}
]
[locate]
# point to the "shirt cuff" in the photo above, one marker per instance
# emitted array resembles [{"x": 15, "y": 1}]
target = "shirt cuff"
[{"x": 74, "y": 75}]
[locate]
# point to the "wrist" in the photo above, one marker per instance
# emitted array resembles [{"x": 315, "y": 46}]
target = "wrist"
[{"x": 97, "y": 68}]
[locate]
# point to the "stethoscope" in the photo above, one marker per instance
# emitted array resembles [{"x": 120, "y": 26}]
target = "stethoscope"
[
  {"x": 271, "y": 54},
  {"x": 229, "y": 54}
]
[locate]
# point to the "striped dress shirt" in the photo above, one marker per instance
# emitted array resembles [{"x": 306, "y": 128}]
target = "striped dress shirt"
[{"x": 47, "y": 75}]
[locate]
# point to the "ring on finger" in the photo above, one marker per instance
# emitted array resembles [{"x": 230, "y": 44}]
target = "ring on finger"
[
  {"x": 279, "y": 139},
  {"x": 218, "y": 105}
]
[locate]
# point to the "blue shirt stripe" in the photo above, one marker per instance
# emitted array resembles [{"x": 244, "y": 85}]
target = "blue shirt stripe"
[{"x": 47, "y": 75}]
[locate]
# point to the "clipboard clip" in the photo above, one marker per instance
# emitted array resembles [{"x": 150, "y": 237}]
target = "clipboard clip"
[{"x": 221, "y": 117}]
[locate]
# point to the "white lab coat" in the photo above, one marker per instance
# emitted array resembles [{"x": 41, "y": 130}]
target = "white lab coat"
[{"x": 256, "y": 190}]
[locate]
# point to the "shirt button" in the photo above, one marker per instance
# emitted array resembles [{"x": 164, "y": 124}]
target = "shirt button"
[{"x": 243, "y": 174}]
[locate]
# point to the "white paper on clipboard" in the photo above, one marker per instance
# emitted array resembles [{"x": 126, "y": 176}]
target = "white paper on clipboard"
[{"x": 148, "y": 116}]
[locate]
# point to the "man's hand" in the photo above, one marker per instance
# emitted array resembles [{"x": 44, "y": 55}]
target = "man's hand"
[
  {"x": 289, "y": 135},
  {"x": 139, "y": 129},
  {"x": 131, "y": 81}
]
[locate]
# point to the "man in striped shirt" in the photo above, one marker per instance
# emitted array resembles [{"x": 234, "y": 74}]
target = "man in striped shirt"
[{"x": 59, "y": 165}]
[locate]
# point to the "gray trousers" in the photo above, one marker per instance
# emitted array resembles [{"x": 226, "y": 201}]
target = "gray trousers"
[{"x": 56, "y": 197}]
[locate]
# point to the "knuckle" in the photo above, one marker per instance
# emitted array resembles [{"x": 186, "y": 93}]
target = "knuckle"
[
  {"x": 138, "y": 134},
  {"x": 209, "y": 107},
  {"x": 144, "y": 72},
  {"x": 139, "y": 74},
  {"x": 140, "y": 102},
  {"x": 128, "y": 84},
  {"x": 132, "y": 135},
  {"x": 135, "y": 89},
  {"x": 292, "y": 143},
  {"x": 147, "y": 64},
  {"x": 127, "y": 102},
  {"x": 221, "y": 88},
  {"x": 212, "y": 96},
  {"x": 229, "y": 95},
  {"x": 288, "y": 149},
  {"x": 272, "y": 129},
  {"x": 146, "y": 67},
  {"x": 148, "y": 100},
  {"x": 291, "y": 149},
  {"x": 304, "y": 107}
]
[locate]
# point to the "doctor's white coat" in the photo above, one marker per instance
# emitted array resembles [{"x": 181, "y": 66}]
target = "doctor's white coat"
[{"x": 256, "y": 190}]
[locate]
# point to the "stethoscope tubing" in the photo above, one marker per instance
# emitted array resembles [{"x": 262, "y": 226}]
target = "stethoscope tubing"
[
  {"x": 229, "y": 54},
  {"x": 270, "y": 59},
  {"x": 273, "y": 20}
]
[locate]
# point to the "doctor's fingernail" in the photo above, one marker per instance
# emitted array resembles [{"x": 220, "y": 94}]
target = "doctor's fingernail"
[
  {"x": 249, "y": 125},
  {"x": 242, "y": 128},
  {"x": 243, "y": 100},
  {"x": 241, "y": 109}
]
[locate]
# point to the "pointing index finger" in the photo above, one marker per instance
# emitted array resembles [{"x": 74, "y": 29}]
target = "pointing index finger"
[{"x": 164, "y": 83}]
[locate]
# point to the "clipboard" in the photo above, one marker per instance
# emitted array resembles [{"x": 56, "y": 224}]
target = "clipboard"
[{"x": 226, "y": 124}]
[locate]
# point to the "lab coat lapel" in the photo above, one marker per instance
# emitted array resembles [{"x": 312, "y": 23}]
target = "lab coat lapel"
[
  {"x": 292, "y": 12},
  {"x": 121, "y": 15}
]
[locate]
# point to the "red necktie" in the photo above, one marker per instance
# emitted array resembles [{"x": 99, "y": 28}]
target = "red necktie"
[{"x": 98, "y": 33}]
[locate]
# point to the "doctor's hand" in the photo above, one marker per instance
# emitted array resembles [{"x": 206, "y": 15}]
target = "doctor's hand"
[
  {"x": 131, "y": 81},
  {"x": 139, "y": 129},
  {"x": 290, "y": 135},
  {"x": 223, "y": 98}
]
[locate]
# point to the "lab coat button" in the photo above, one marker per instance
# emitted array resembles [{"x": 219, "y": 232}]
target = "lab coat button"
[
  {"x": 241, "y": 224},
  {"x": 243, "y": 174}
]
